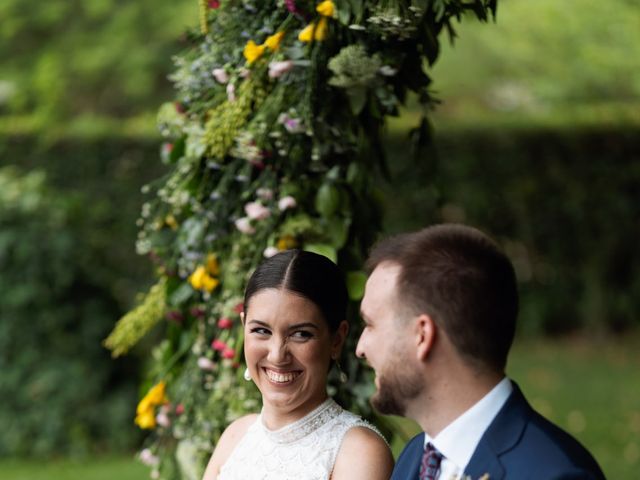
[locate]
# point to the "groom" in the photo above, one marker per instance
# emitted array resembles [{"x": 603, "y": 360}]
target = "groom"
[{"x": 440, "y": 310}]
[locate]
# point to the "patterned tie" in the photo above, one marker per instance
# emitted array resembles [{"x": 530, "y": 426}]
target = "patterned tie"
[{"x": 430, "y": 465}]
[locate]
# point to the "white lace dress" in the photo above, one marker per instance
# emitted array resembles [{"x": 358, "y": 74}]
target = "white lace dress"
[{"x": 303, "y": 450}]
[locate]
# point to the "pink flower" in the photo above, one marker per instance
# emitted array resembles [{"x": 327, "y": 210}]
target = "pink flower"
[
  {"x": 197, "y": 312},
  {"x": 256, "y": 211},
  {"x": 163, "y": 420},
  {"x": 287, "y": 202},
  {"x": 179, "y": 409},
  {"x": 264, "y": 193},
  {"x": 205, "y": 363},
  {"x": 228, "y": 353},
  {"x": 218, "y": 345},
  {"x": 239, "y": 308},
  {"x": 148, "y": 458},
  {"x": 214, "y": 4},
  {"x": 225, "y": 322},
  {"x": 276, "y": 69},
  {"x": 221, "y": 75},
  {"x": 244, "y": 225},
  {"x": 269, "y": 252},
  {"x": 175, "y": 316},
  {"x": 231, "y": 92}
]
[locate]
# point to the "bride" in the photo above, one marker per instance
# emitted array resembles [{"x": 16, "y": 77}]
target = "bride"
[{"x": 294, "y": 328}]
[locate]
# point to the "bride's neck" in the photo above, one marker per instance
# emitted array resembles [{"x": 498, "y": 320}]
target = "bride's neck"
[{"x": 276, "y": 417}]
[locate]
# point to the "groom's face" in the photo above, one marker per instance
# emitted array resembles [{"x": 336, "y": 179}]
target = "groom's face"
[{"x": 385, "y": 342}]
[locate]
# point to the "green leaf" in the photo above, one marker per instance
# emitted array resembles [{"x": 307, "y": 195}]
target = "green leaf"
[
  {"x": 327, "y": 200},
  {"x": 357, "y": 99},
  {"x": 355, "y": 284},
  {"x": 180, "y": 295},
  {"x": 324, "y": 250},
  {"x": 338, "y": 229}
]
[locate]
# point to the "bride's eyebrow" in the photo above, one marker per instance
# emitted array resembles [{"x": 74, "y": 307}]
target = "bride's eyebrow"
[
  {"x": 260, "y": 322},
  {"x": 303, "y": 325}
]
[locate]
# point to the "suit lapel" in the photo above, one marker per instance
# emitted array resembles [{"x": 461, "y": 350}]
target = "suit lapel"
[
  {"x": 408, "y": 465},
  {"x": 504, "y": 432}
]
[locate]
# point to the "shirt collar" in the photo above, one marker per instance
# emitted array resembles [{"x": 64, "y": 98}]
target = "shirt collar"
[{"x": 458, "y": 440}]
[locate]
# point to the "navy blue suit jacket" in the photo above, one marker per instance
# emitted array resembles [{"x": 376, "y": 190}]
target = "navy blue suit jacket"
[{"x": 519, "y": 444}]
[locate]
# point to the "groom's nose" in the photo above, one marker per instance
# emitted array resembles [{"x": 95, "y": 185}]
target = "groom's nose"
[{"x": 360, "y": 348}]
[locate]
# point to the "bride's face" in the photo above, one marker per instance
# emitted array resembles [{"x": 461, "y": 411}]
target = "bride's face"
[{"x": 288, "y": 349}]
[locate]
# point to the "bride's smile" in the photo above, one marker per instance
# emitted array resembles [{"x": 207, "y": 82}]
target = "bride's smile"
[{"x": 288, "y": 349}]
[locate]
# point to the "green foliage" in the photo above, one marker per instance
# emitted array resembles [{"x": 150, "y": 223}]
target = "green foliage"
[
  {"x": 63, "y": 58},
  {"x": 545, "y": 55},
  {"x": 60, "y": 393},
  {"x": 562, "y": 202}
]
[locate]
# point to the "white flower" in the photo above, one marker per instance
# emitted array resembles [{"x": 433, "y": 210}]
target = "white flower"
[
  {"x": 244, "y": 225},
  {"x": 206, "y": 364},
  {"x": 231, "y": 92},
  {"x": 256, "y": 211},
  {"x": 277, "y": 69},
  {"x": 270, "y": 252},
  {"x": 148, "y": 458},
  {"x": 221, "y": 75},
  {"x": 287, "y": 202},
  {"x": 264, "y": 193},
  {"x": 387, "y": 71}
]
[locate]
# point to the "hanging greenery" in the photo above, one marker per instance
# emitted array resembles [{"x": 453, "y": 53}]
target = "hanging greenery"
[{"x": 272, "y": 143}]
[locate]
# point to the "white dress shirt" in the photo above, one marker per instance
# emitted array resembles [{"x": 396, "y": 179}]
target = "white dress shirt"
[{"x": 458, "y": 440}]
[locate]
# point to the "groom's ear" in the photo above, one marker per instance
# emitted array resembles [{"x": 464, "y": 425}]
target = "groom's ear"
[{"x": 426, "y": 330}]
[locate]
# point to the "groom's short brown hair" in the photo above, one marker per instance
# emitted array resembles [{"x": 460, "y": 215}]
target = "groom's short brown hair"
[{"x": 461, "y": 278}]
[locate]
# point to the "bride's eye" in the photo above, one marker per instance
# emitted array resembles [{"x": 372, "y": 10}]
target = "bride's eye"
[
  {"x": 302, "y": 335},
  {"x": 260, "y": 331}
]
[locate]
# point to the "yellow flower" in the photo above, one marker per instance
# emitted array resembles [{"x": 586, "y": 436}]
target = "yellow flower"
[
  {"x": 146, "y": 420},
  {"x": 212, "y": 265},
  {"x": 321, "y": 30},
  {"x": 196, "y": 278},
  {"x": 306, "y": 34},
  {"x": 326, "y": 8},
  {"x": 170, "y": 220},
  {"x": 209, "y": 283},
  {"x": 252, "y": 52},
  {"x": 286, "y": 242},
  {"x": 273, "y": 41},
  {"x": 157, "y": 394},
  {"x": 201, "y": 280}
]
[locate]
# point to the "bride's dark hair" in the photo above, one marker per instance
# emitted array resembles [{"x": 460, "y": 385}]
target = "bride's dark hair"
[{"x": 307, "y": 274}]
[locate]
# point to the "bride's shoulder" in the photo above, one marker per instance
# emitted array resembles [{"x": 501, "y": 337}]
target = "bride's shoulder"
[
  {"x": 363, "y": 454},
  {"x": 227, "y": 443}
]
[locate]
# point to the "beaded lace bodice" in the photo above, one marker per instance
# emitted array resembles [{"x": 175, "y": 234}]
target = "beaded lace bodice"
[{"x": 303, "y": 450}]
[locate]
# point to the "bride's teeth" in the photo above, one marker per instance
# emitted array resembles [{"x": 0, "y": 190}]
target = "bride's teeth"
[{"x": 280, "y": 377}]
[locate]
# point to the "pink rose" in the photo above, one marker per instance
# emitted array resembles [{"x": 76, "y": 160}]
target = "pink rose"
[
  {"x": 244, "y": 225},
  {"x": 221, "y": 75},
  {"x": 270, "y": 252},
  {"x": 276, "y": 69},
  {"x": 228, "y": 353},
  {"x": 205, "y": 363},
  {"x": 287, "y": 202},
  {"x": 256, "y": 211},
  {"x": 225, "y": 322},
  {"x": 218, "y": 345}
]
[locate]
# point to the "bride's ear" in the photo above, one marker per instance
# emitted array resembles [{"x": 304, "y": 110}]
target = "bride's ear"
[
  {"x": 339, "y": 338},
  {"x": 242, "y": 318}
]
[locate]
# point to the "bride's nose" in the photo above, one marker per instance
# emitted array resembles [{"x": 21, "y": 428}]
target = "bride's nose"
[{"x": 278, "y": 350}]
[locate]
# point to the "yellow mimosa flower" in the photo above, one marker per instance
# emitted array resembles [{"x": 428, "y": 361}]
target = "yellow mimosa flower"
[
  {"x": 273, "y": 41},
  {"x": 306, "y": 34},
  {"x": 321, "y": 30},
  {"x": 326, "y": 8},
  {"x": 212, "y": 265},
  {"x": 253, "y": 52},
  {"x": 146, "y": 420}
]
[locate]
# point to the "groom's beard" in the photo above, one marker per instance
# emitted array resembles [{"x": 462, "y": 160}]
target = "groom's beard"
[{"x": 396, "y": 387}]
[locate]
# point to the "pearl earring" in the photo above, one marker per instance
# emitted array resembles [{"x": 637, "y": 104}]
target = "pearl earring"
[{"x": 247, "y": 374}]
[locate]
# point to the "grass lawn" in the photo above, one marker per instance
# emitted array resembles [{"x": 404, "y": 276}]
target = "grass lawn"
[
  {"x": 123, "y": 468},
  {"x": 589, "y": 388}
]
